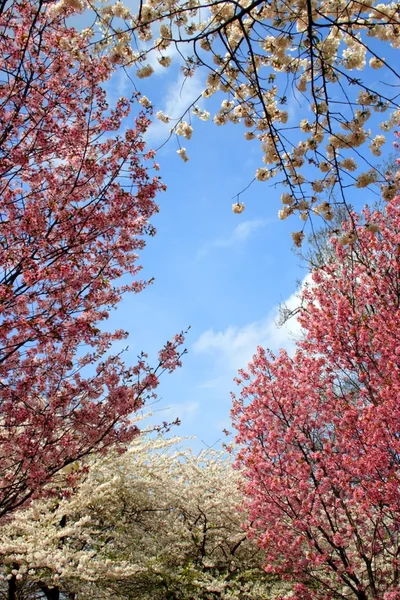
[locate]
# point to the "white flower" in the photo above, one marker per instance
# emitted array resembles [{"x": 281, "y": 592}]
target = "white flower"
[
  {"x": 375, "y": 145},
  {"x": 74, "y": 4},
  {"x": 305, "y": 126},
  {"x": 145, "y": 71},
  {"x": 144, "y": 101},
  {"x": 349, "y": 164},
  {"x": 348, "y": 238},
  {"x": 182, "y": 153},
  {"x": 165, "y": 61},
  {"x": 249, "y": 135},
  {"x": 220, "y": 119},
  {"x": 287, "y": 199},
  {"x": 376, "y": 63},
  {"x": 298, "y": 237},
  {"x": 285, "y": 212},
  {"x": 283, "y": 116},
  {"x": 262, "y": 174},
  {"x": 162, "y": 117},
  {"x": 318, "y": 186},
  {"x": 184, "y": 129},
  {"x": 87, "y": 33},
  {"x": 165, "y": 31},
  {"x": 119, "y": 10},
  {"x": 238, "y": 207},
  {"x": 203, "y": 115},
  {"x": 324, "y": 167},
  {"x": 372, "y": 227},
  {"x": 302, "y": 84},
  {"x": 366, "y": 178}
]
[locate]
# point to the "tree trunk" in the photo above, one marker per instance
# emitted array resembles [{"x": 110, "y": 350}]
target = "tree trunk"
[
  {"x": 50, "y": 593},
  {"x": 12, "y": 588}
]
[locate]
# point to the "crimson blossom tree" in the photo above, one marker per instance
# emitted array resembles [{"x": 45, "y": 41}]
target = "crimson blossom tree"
[
  {"x": 319, "y": 431},
  {"x": 75, "y": 203}
]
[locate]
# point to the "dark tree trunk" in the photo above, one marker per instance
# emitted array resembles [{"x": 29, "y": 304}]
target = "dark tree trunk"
[
  {"x": 12, "y": 588},
  {"x": 50, "y": 593}
]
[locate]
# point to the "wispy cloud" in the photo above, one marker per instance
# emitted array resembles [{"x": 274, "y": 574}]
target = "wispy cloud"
[
  {"x": 233, "y": 347},
  {"x": 185, "y": 411},
  {"x": 239, "y": 235},
  {"x": 180, "y": 95}
]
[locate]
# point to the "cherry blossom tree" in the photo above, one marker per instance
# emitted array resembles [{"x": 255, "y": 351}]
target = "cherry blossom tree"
[
  {"x": 319, "y": 431},
  {"x": 314, "y": 81},
  {"x": 75, "y": 202},
  {"x": 154, "y": 523}
]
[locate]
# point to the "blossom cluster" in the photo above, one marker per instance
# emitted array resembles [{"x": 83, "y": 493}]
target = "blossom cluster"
[
  {"x": 71, "y": 232},
  {"x": 318, "y": 51},
  {"x": 134, "y": 524},
  {"x": 318, "y": 430}
]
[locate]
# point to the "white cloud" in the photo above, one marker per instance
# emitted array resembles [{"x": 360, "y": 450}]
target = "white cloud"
[
  {"x": 233, "y": 348},
  {"x": 180, "y": 95},
  {"x": 185, "y": 411},
  {"x": 239, "y": 235}
]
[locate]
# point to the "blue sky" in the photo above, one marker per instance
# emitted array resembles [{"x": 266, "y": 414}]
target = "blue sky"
[{"x": 223, "y": 274}]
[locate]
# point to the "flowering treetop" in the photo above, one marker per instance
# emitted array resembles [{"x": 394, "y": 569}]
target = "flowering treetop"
[
  {"x": 314, "y": 81},
  {"x": 319, "y": 431},
  {"x": 75, "y": 203},
  {"x": 153, "y": 523}
]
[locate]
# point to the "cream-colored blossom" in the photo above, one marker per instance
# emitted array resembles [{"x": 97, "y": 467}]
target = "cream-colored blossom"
[
  {"x": 65, "y": 5},
  {"x": 349, "y": 164},
  {"x": 302, "y": 84},
  {"x": 162, "y": 117},
  {"x": 184, "y": 129},
  {"x": 365, "y": 179},
  {"x": 182, "y": 154},
  {"x": 165, "y": 61},
  {"x": 298, "y": 237},
  {"x": 203, "y": 115},
  {"x": 220, "y": 119},
  {"x": 287, "y": 199},
  {"x": 87, "y": 33},
  {"x": 145, "y": 71},
  {"x": 322, "y": 209},
  {"x": 376, "y": 143},
  {"x": 249, "y": 135},
  {"x": 372, "y": 227},
  {"x": 209, "y": 91},
  {"x": 324, "y": 167},
  {"x": 121, "y": 11},
  {"x": 238, "y": 207},
  {"x": 305, "y": 126},
  {"x": 262, "y": 174},
  {"x": 317, "y": 186},
  {"x": 348, "y": 238},
  {"x": 144, "y": 101},
  {"x": 302, "y": 205},
  {"x": 376, "y": 63},
  {"x": 165, "y": 31},
  {"x": 285, "y": 212},
  {"x": 389, "y": 191}
]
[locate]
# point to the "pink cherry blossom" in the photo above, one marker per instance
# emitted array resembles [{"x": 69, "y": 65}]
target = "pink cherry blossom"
[
  {"x": 319, "y": 431},
  {"x": 75, "y": 203}
]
